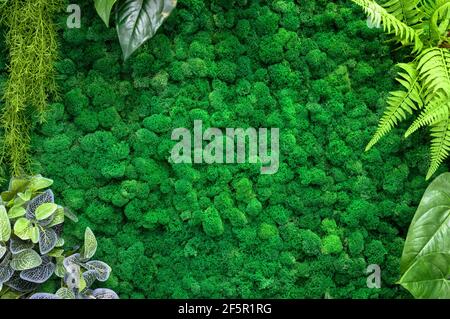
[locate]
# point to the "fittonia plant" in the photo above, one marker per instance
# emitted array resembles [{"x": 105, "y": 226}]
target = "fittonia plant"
[
  {"x": 423, "y": 26},
  {"x": 31, "y": 246}
]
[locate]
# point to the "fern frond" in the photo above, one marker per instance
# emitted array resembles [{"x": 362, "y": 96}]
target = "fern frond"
[
  {"x": 391, "y": 24},
  {"x": 436, "y": 111},
  {"x": 440, "y": 21},
  {"x": 434, "y": 72},
  {"x": 404, "y": 10},
  {"x": 440, "y": 145},
  {"x": 400, "y": 103}
]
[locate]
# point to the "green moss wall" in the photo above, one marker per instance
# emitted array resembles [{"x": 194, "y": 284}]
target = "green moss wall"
[{"x": 312, "y": 69}]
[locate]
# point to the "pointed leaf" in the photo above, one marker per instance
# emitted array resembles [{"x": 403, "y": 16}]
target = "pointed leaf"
[
  {"x": 90, "y": 244},
  {"x": 104, "y": 8},
  {"x": 38, "y": 182},
  {"x": 5, "y": 225},
  {"x": 47, "y": 240},
  {"x": 138, "y": 21},
  {"x": 26, "y": 259},
  {"x": 68, "y": 213}
]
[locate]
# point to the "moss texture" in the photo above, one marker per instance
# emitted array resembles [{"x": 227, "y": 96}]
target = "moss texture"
[{"x": 311, "y": 68}]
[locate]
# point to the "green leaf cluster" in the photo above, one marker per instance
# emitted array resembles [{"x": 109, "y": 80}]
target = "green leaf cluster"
[
  {"x": 425, "y": 262},
  {"x": 136, "y": 21},
  {"x": 424, "y": 26},
  {"x": 31, "y": 246},
  {"x": 81, "y": 273}
]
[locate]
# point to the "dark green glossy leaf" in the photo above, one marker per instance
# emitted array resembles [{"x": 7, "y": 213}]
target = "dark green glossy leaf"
[
  {"x": 429, "y": 231},
  {"x": 428, "y": 277},
  {"x": 138, "y": 21}
]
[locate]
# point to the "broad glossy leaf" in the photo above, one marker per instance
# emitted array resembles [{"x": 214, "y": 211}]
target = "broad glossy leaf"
[
  {"x": 104, "y": 8},
  {"x": 22, "y": 228},
  {"x": 45, "y": 197},
  {"x": 38, "y": 182},
  {"x": 26, "y": 259},
  {"x": 429, "y": 231},
  {"x": 16, "y": 211},
  {"x": 41, "y": 273},
  {"x": 5, "y": 225},
  {"x": 90, "y": 244},
  {"x": 16, "y": 245},
  {"x": 102, "y": 270},
  {"x": 68, "y": 213},
  {"x": 44, "y": 295},
  {"x": 104, "y": 293},
  {"x": 138, "y": 21},
  {"x": 428, "y": 277},
  {"x": 47, "y": 240},
  {"x": 45, "y": 210},
  {"x": 65, "y": 293},
  {"x": 21, "y": 285}
]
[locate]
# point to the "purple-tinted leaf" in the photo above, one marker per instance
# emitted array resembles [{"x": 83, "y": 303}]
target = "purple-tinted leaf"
[
  {"x": 44, "y": 295},
  {"x": 39, "y": 274},
  {"x": 17, "y": 245},
  {"x": 47, "y": 240},
  {"x": 104, "y": 293},
  {"x": 45, "y": 197}
]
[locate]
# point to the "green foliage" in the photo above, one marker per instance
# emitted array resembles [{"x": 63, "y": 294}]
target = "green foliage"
[
  {"x": 32, "y": 42},
  {"x": 80, "y": 273},
  {"x": 136, "y": 21},
  {"x": 31, "y": 246},
  {"x": 425, "y": 262},
  {"x": 149, "y": 216},
  {"x": 426, "y": 80}
]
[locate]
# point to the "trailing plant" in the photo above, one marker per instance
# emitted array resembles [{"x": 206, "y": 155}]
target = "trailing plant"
[
  {"x": 136, "y": 20},
  {"x": 32, "y": 41},
  {"x": 31, "y": 246},
  {"x": 422, "y": 25},
  {"x": 425, "y": 262}
]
